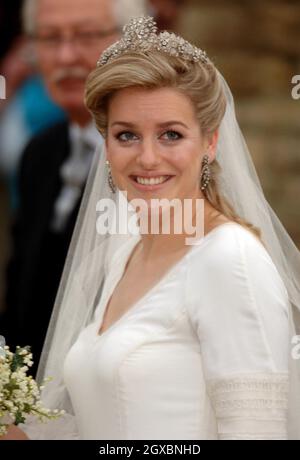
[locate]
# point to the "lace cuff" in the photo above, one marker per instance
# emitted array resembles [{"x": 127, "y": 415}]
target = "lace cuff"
[
  {"x": 251, "y": 406},
  {"x": 63, "y": 428}
]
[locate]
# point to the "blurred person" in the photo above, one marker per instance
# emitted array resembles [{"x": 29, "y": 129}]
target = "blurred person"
[
  {"x": 68, "y": 37},
  {"x": 27, "y": 108},
  {"x": 26, "y": 111}
]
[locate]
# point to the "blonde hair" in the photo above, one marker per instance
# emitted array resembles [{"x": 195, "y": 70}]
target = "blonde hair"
[{"x": 198, "y": 81}]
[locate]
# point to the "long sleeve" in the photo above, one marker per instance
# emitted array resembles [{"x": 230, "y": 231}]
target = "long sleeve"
[
  {"x": 63, "y": 428},
  {"x": 240, "y": 315}
]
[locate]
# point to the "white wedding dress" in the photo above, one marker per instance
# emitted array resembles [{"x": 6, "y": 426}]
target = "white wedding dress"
[{"x": 203, "y": 355}]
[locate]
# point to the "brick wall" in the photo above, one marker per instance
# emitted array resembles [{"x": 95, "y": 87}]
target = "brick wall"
[{"x": 256, "y": 45}]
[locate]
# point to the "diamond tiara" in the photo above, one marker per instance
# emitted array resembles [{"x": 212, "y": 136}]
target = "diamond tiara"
[{"x": 140, "y": 34}]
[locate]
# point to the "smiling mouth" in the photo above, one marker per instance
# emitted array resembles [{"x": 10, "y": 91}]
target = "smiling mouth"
[{"x": 151, "y": 180}]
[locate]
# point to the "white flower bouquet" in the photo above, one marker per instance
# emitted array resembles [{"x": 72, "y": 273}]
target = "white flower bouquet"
[{"x": 19, "y": 393}]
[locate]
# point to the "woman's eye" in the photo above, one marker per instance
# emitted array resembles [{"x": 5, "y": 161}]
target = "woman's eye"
[
  {"x": 126, "y": 136},
  {"x": 172, "y": 136}
]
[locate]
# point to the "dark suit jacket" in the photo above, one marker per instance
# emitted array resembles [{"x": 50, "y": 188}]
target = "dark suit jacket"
[{"x": 38, "y": 254}]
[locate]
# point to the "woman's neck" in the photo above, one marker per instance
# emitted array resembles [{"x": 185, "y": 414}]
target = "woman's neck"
[{"x": 154, "y": 245}]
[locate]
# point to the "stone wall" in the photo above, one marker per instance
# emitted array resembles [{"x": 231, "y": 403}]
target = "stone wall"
[{"x": 256, "y": 45}]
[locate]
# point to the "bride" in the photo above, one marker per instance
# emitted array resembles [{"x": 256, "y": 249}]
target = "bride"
[{"x": 151, "y": 337}]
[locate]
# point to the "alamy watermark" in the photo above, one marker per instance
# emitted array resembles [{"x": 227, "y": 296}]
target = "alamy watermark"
[
  {"x": 296, "y": 88},
  {"x": 155, "y": 216},
  {"x": 2, "y": 87}
]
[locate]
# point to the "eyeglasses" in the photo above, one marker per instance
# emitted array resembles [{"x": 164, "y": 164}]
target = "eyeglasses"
[{"x": 80, "y": 39}]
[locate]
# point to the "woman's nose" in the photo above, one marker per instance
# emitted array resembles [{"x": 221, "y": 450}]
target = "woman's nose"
[{"x": 148, "y": 155}]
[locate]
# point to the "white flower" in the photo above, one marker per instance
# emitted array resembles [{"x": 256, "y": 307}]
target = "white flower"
[{"x": 19, "y": 393}]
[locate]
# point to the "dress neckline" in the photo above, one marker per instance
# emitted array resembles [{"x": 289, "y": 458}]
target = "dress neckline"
[{"x": 150, "y": 291}]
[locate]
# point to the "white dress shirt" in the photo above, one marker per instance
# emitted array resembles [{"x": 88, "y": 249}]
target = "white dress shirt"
[{"x": 74, "y": 172}]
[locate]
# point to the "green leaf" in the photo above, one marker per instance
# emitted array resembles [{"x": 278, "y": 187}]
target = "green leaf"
[
  {"x": 19, "y": 418},
  {"x": 17, "y": 362}
]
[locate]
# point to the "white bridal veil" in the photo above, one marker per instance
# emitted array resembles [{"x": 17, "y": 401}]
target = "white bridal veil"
[{"x": 90, "y": 254}]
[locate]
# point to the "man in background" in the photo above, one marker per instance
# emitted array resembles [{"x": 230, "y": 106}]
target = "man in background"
[{"x": 68, "y": 37}]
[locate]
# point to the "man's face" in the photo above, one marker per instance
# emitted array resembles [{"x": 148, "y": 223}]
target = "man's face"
[{"x": 71, "y": 35}]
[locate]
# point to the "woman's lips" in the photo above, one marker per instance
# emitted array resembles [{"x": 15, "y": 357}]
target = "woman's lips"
[{"x": 149, "y": 187}]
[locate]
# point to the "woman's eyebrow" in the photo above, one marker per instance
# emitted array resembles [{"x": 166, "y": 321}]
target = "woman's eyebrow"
[{"x": 161, "y": 125}]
